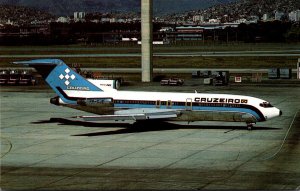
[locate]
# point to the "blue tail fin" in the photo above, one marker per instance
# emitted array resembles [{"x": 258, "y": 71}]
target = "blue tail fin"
[{"x": 60, "y": 77}]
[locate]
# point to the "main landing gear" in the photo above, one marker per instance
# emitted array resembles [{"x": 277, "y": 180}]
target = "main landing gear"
[{"x": 250, "y": 126}]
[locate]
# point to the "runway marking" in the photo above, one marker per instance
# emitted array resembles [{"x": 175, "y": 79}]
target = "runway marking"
[
  {"x": 10, "y": 147},
  {"x": 209, "y": 147},
  {"x": 231, "y": 173},
  {"x": 284, "y": 139},
  {"x": 96, "y": 166},
  {"x": 229, "y": 130}
]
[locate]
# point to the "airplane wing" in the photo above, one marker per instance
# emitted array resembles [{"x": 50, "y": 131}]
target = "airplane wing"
[{"x": 165, "y": 114}]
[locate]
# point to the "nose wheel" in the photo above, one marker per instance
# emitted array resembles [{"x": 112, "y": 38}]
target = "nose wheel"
[{"x": 250, "y": 126}]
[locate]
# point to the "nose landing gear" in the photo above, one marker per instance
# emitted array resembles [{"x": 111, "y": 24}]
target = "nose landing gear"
[{"x": 250, "y": 126}]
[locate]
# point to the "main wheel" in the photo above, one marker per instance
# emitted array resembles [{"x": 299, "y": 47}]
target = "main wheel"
[{"x": 249, "y": 126}]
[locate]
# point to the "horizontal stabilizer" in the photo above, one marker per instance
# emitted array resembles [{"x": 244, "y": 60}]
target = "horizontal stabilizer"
[{"x": 40, "y": 62}]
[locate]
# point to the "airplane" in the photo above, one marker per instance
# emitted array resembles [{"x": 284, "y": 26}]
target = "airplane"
[{"x": 74, "y": 91}]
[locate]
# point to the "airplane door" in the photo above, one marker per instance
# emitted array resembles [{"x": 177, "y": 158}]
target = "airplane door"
[
  {"x": 169, "y": 104},
  {"x": 157, "y": 104},
  {"x": 189, "y": 104}
]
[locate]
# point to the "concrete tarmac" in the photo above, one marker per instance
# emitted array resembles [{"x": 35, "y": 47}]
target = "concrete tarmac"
[{"x": 43, "y": 149}]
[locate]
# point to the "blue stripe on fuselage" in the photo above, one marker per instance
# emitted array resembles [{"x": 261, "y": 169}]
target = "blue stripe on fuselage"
[{"x": 195, "y": 108}]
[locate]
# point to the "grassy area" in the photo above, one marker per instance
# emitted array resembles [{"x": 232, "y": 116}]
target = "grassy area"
[
  {"x": 181, "y": 47},
  {"x": 180, "y": 62},
  {"x": 226, "y": 62},
  {"x": 160, "y": 62},
  {"x": 116, "y": 49}
]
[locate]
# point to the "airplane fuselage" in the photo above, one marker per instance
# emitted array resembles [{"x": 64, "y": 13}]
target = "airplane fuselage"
[{"x": 192, "y": 106}]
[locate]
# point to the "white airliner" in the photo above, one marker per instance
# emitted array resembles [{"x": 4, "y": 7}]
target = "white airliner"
[{"x": 76, "y": 92}]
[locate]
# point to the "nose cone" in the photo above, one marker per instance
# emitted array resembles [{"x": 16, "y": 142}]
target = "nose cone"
[{"x": 272, "y": 112}]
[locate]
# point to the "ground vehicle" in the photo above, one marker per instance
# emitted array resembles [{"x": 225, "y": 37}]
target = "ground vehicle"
[
  {"x": 220, "y": 78},
  {"x": 26, "y": 78},
  {"x": 201, "y": 74},
  {"x": 172, "y": 82},
  {"x": 4, "y": 76},
  {"x": 196, "y": 74},
  {"x": 14, "y": 77}
]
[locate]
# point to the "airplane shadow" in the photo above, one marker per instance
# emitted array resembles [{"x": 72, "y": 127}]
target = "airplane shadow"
[
  {"x": 141, "y": 126},
  {"x": 62, "y": 121}
]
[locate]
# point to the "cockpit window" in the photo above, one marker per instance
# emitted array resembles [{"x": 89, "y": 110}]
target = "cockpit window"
[{"x": 265, "y": 105}]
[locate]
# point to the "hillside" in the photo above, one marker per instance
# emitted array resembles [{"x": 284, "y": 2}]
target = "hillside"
[
  {"x": 22, "y": 14},
  {"x": 67, "y": 7},
  {"x": 247, "y": 8}
]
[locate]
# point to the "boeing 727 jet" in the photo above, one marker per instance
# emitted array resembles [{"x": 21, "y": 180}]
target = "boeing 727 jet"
[{"x": 76, "y": 92}]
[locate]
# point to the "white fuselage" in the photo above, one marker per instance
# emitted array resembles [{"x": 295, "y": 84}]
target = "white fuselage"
[{"x": 193, "y": 106}]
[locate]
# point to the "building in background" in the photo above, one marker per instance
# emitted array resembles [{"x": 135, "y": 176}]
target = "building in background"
[
  {"x": 189, "y": 33},
  {"x": 79, "y": 16},
  {"x": 198, "y": 19},
  {"x": 63, "y": 20},
  {"x": 278, "y": 15},
  {"x": 265, "y": 17},
  {"x": 294, "y": 16}
]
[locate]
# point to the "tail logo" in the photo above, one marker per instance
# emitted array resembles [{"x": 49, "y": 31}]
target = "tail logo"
[{"x": 67, "y": 76}]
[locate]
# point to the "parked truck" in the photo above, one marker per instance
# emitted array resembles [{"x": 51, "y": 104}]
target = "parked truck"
[
  {"x": 14, "y": 77},
  {"x": 4, "y": 77},
  {"x": 26, "y": 78}
]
